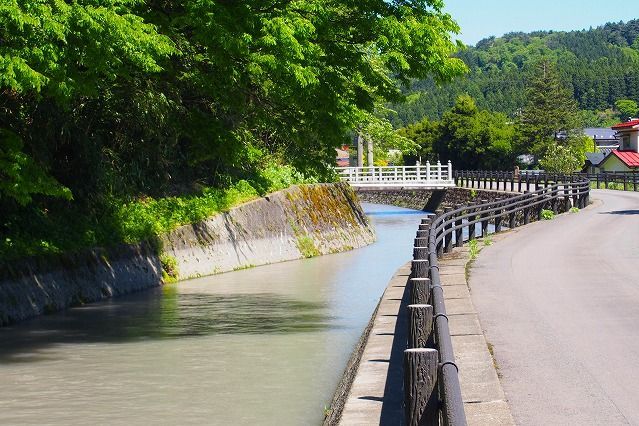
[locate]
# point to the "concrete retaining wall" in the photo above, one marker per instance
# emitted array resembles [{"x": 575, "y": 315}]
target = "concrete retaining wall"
[{"x": 299, "y": 222}]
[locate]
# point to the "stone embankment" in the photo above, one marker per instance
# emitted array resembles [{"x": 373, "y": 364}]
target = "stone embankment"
[
  {"x": 302, "y": 221},
  {"x": 428, "y": 199}
]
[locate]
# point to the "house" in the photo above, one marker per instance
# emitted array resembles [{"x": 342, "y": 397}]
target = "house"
[
  {"x": 593, "y": 162},
  {"x": 626, "y": 158},
  {"x": 604, "y": 138},
  {"x": 342, "y": 156}
]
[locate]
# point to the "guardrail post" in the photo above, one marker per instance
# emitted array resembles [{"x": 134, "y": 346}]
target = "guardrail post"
[
  {"x": 448, "y": 230},
  {"x": 527, "y": 183},
  {"x": 498, "y": 220},
  {"x": 420, "y": 326},
  {"x": 484, "y": 223},
  {"x": 526, "y": 211},
  {"x": 459, "y": 233},
  {"x": 420, "y": 253},
  {"x": 471, "y": 218},
  {"x": 625, "y": 182},
  {"x": 575, "y": 200},
  {"x": 554, "y": 202},
  {"x": 512, "y": 219},
  {"x": 419, "y": 268},
  {"x": 421, "y": 401},
  {"x": 419, "y": 291},
  {"x": 540, "y": 206}
]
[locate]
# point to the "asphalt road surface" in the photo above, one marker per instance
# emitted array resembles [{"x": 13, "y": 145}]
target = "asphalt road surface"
[{"x": 559, "y": 302}]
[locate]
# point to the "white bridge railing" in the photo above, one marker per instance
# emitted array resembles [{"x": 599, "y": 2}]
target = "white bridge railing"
[{"x": 424, "y": 176}]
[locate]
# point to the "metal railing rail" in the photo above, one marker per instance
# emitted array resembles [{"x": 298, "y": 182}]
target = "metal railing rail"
[
  {"x": 430, "y": 349},
  {"x": 428, "y": 175}
]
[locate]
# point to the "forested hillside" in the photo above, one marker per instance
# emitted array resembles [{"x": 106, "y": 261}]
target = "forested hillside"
[{"x": 600, "y": 66}]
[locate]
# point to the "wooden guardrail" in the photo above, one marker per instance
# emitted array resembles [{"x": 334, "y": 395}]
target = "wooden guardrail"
[
  {"x": 527, "y": 179},
  {"x": 432, "y": 393}
]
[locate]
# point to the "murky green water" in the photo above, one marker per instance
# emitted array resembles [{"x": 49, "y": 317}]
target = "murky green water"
[{"x": 261, "y": 346}]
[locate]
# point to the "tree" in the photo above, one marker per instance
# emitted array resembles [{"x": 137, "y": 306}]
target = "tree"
[
  {"x": 424, "y": 134},
  {"x": 472, "y": 138},
  {"x": 562, "y": 159},
  {"x": 550, "y": 112},
  {"x": 627, "y": 108}
]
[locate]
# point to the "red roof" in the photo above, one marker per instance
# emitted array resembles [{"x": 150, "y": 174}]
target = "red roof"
[
  {"x": 629, "y": 158},
  {"x": 626, "y": 125}
]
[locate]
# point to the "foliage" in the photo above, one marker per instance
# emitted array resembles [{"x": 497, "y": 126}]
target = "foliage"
[
  {"x": 573, "y": 210},
  {"x": 550, "y": 113},
  {"x": 562, "y": 159},
  {"x": 627, "y": 108},
  {"x": 170, "y": 272},
  {"x": 34, "y": 231},
  {"x": 424, "y": 134},
  {"x": 306, "y": 246},
  {"x": 547, "y": 214},
  {"x": 469, "y": 137},
  {"x": 473, "y": 249},
  {"x": 598, "y": 66},
  {"x": 153, "y": 113},
  {"x": 20, "y": 177},
  {"x": 488, "y": 240}
]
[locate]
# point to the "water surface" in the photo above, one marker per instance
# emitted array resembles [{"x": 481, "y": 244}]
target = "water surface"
[{"x": 260, "y": 346}]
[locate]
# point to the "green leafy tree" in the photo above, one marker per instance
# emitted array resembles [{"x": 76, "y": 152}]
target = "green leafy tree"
[
  {"x": 627, "y": 108},
  {"x": 472, "y": 138},
  {"x": 562, "y": 159},
  {"x": 424, "y": 134},
  {"x": 550, "y": 113},
  {"x": 122, "y": 100}
]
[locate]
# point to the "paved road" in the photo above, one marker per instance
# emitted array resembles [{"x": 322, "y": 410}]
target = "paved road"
[{"x": 559, "y": 302}]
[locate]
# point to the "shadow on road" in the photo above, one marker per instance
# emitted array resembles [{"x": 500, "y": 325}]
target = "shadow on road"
[{"x": 622, "y": 212}]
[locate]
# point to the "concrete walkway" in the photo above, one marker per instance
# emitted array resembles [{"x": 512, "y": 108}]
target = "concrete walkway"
[
  {"x": 376, "y": 393},
  {"x": 559, "y": 302}
]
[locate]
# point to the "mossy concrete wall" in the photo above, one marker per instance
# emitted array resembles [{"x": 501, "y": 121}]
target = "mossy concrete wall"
[
  {"x": 299, "y": 222},
  {"x": 302, "y": 221}
]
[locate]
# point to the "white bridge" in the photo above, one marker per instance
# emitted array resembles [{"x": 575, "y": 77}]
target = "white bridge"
[{"x": 424, "y": 176}]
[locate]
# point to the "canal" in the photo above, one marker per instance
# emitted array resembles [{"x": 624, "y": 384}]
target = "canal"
[{"x": 259, "y": 346}]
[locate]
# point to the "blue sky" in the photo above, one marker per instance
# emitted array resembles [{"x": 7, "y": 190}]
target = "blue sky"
[{"x": 483, "y": 18}]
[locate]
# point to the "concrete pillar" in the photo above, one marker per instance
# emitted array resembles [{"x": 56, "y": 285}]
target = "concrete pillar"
[
  {"x": 369, "y": 144},
  {"x": 360, "y": 150}
]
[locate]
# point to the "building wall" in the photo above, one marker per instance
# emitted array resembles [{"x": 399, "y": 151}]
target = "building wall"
[{"x": 613, "y": 164}]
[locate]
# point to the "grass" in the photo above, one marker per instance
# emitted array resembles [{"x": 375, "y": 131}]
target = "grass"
[
  {"x": 573, "y": 210},
  {"x": 306, "y": 246},
  {"x": 473, "y": 249},
  {"x": 547, "y": 214},
  {"x": 612, "y": 185},
  {"x": 170, "y": 272},
  {"x": 68, "y": 227}
]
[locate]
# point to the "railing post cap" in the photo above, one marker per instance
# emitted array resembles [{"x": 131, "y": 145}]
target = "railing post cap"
[{"x": 425, "y": 350}]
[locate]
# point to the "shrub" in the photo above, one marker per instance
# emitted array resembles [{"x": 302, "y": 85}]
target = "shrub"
[{"x": 547, "y": 214}]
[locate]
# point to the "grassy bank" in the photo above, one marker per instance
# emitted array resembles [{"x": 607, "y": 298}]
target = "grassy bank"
[{"x": 67, "y": 226}]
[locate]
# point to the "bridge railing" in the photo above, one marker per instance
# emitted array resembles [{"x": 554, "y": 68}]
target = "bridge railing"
[
  {"x": 431, "y": 381},
  {"x": 428, "y": 175}
]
